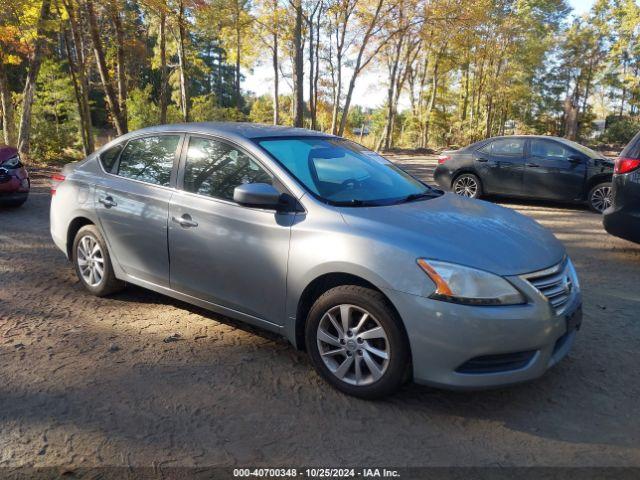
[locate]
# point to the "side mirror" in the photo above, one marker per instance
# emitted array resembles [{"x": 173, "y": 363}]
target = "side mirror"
[{"x": 260, "y": 195}]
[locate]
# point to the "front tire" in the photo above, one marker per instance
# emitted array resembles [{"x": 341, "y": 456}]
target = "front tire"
[
  {"x": 356, "y": 342},
  {"x": 467, "y": 185},
  {"x": 599, "y": 198},
  {"x": 93, "y": 263}
]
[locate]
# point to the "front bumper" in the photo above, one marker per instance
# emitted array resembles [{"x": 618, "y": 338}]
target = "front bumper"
[
  {"x": 14, "y": 183},
  {"x": 444, "y": 337}
]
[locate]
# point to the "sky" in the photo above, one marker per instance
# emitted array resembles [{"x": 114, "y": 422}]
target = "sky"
[{"x": 369, "y": 90}]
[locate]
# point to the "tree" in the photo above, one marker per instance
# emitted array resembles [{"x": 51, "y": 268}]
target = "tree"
[{"x": 35, "y": 60}]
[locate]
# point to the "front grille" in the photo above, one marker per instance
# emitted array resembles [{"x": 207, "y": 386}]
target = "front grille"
[
  {"x": 497, "y": 363},
  {"x": 555, "y": 284}
]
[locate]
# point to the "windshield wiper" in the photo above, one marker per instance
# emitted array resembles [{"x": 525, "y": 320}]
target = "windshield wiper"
[
  {"x": 418, "y": 196},
  {"x": 353, "y": 203}
]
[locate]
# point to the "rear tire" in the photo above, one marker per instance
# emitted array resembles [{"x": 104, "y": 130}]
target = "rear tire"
[
  {"x": 93, "y": 264},
  {"x": 599, "y": 198},
  {"x": 370, "y": 358},
  {"x": 467, "y": 185}
]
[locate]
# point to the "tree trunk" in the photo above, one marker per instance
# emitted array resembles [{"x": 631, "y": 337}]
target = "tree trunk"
[
  {"x": 121, "y": 67},
  {"x": 298, "y": 73},
  {"x": 393, "y": 72},
  {"x": 316, "y": 75},
  {"x": 238, "y": 53},
  {"x": 432, "y": 99},
  {"x": 182, "y": 64},
  {"x": 360, "y": 64},
  {"x": 83, "y": 82},
  {"x": 312, "y": 107},
  {"x": 8, "y": 125},
  {"x": 30, "y": 84},
  {"x": 74, "y": 69},
  {"x": 276, "y": 73},
  {"x": 163, "y": 66},
  {"x": 105, "y": 78},
  {"x": 465, "y": 100}
]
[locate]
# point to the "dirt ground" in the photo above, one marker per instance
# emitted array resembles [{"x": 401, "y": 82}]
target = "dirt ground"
[{"x": 87, "y": 381}]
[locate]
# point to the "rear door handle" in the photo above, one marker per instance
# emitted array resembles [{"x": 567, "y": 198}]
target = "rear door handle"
[
  {"x": 532, "y": 165},
  {"x": 480, "y": 159},
  {"x": 108, "y": 202},
  {"x": 185, "y": 221}
]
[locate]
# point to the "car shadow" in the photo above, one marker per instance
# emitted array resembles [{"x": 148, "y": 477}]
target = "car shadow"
[{"x": 542, "y": 408}]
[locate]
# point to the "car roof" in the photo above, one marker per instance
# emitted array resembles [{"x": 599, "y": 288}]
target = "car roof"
[
  {"x": 544, "y": 137},
  {"x": 233, "y": 130}
]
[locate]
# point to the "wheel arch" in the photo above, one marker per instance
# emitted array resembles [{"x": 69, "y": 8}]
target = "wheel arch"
[
  {"x": 595, "y": 180},
  {"x": 322, "y": 284},
  {"x": 463, "y": 171},
  {"x": 74, "y": 226}
]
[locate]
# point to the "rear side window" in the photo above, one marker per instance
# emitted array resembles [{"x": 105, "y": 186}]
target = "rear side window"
[
  {"x": 548, "y": 149},
  {"x": 505, "y": 146},
  {"x": 632, "y": 150},
  {"x": 109, "y": 157},
  {"x": 149, "y": 159},
  {"x": 215, "y": 169}
]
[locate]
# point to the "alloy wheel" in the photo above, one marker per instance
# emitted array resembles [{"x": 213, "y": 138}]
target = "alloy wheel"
[
  {"x": 90, "y": 260},
  {"x": 353, "y": 345},
  {"x": 466, "y": 186},
  {"x": 601, "y": 198}
]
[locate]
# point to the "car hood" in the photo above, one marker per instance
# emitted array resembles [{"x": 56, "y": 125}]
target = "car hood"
[{"x": 468, "y": 232}]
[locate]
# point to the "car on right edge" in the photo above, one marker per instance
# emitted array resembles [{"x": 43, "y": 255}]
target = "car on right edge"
[{"x": 622, "y": 218}]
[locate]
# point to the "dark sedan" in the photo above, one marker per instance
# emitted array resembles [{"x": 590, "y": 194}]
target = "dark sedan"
[
  {"x": 14, "y": 179},
  {"x": 539, "y": 167},
  {"x": 622, "y": 219}
]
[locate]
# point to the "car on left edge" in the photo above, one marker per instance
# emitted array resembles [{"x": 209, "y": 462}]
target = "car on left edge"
[{"x": 14, "y": 178}]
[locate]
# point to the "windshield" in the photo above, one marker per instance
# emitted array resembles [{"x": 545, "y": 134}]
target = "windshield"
[
  {"x": 581, "y": 148},
  {"x": 341, "y": 172}
]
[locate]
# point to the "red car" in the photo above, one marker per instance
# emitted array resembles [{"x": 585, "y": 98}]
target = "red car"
[{"x": 14, "y": 179}]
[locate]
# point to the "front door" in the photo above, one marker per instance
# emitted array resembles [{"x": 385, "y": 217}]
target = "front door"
[
  {"x": 500, "y": 165},
  {"x": 132, "y": 202},
  {"x": 553, "y": 171},
  {"x": 220, "y": 251}
]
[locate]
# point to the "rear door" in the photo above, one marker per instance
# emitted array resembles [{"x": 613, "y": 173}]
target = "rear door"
[
  {"x": 553, "y": 170},
  {"x": 500, "y": 165},
  {"x": 132, "y": 201},
  {"x": 222, "y": 252}
]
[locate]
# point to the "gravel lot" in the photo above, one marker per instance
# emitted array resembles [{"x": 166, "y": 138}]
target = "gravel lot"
[{"x": 87, "y": 381}]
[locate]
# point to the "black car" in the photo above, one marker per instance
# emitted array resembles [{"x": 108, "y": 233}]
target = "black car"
[
  {"x": 539, "y": 167},
  {"x": 622, "y": 219}
]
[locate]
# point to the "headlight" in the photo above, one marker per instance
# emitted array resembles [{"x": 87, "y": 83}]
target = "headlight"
[
  {"x": 458, "y": 284},
  {"x": 12, "y": 162}
]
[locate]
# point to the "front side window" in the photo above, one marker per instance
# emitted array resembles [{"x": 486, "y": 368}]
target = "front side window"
[
  {"x": 510, "y": 147},
  {"x": 149, "y": 159},
  {"x": 109, "y": 157},
  {"x": 215, "y": 169},
  {"x": 548, "y": 149},
  {"x": 343, "y": 173}
]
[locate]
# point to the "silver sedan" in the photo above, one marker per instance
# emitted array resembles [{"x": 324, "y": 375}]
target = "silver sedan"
[{"x": 378, "y": 276}]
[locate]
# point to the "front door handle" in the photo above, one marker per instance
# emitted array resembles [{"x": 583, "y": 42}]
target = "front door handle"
[
  {"x": 480, "y": 159},
  {"x": 185, "y": 221},
  {"x": 108, "y": 202},
  {"x": 532, "y": 165}
]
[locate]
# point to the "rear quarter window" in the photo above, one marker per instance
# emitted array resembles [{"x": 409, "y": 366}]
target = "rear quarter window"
[
  {"x": 109, "y": 157},
  {"x": 632, "y": 150}
]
